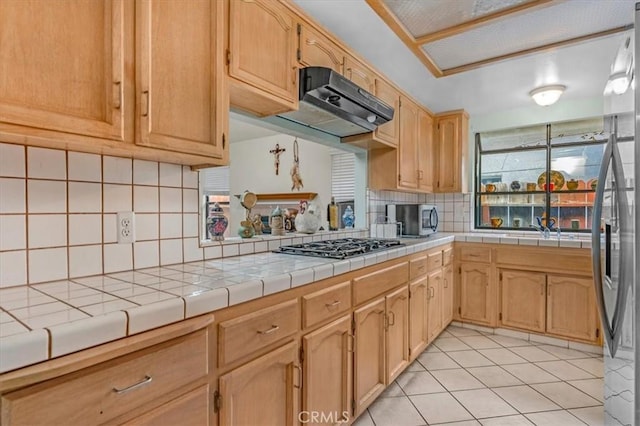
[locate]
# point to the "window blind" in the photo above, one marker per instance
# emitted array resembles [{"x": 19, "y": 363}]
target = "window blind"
[
  {"x": 215, "y": 180},
  {"x": 343, "y": 176}
]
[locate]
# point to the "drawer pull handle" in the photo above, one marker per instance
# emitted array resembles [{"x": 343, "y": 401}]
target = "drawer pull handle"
[
  {"x": 273, "y": 329},
  {"x": 333, "y": 305},
  {"x": 146, "y": 380}
]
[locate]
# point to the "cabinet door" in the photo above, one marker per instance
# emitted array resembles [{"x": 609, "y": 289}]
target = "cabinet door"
[
  {"x": 273, "y": 380},
  {"x": 397, "y": 344},
  {"x": 434, "y": 305},
  {"x": 407, "y": 149},
  {"x": 451, "y": 152},
  {"x": 475, "y": 293},
  {"x": 62, "y": 66},
  {"x": 447, "y": 295},
  {"x": 425, "y": 151},
  {"x": 369, "y": 351},
  {"x": 571, "y": 308},
  {"x": 360, "y": 74},
  {"x": 180, "y": 85},
  {"x": 417, "y": 317},
  {"x": 262, "y": 47},
  {"x": 318, "y": 51},
  {"x": 190, "y": 409},
  {"x": 327, "y": 368},
  {"x": 390, "y": 131},
  {"x": 522, "y": 301}
]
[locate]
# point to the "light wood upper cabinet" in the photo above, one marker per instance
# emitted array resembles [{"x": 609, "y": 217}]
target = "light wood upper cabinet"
[
  {"x": 571, "y": 308},
  {"x": 359, "y": 73},
  {"x": 397, "y": 336},
  {"x": 523, "y": 299},
  {"x": 262, "y": 56},
  {"x": 369, "y": 357},
  {"x": 273, "y": 380},
  {"x": 434, "y": 305},
  {"x": 390, "y": 131},
  {"x": 66, "y": 66},
  {"x": 476, "y": 293},
  {"x": 417, "y": 317},
  {"x": 451, "y": 148},
  {"x": 447, "y": 295},
  {"x": 180, "y": 82},
  {"x": 318, "y": 51},
  {"x": 407, "y": 148},
  {"x": 327, "y": 367},
  {"x": 425, "y": 152}
]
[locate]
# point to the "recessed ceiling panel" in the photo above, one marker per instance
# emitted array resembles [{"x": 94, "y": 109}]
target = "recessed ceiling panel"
[
  {"x": 556, "y": 23},
  {"x": 428, "y": 16}
]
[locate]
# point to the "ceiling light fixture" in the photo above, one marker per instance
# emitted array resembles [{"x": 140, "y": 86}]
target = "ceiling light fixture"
[{"x": 547, "y": 95}]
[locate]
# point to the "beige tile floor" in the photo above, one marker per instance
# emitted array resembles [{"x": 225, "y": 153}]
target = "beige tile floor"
[{"x": 469, "y": 378}]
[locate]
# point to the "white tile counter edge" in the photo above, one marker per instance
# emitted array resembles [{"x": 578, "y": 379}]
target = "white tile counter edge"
[{"x": 24, "y": 349}]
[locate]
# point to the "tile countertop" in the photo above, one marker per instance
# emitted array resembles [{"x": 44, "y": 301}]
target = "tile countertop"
[{"x": 48, "y": 320}]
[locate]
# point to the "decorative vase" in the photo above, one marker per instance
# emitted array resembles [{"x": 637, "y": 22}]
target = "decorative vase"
[
  {"x": 246, "y": 229},
  {"x": 217, "y": 223},
  {"x": 572, "y": 185},
  {"x": 515, "y": 185},
  {"x": 348, "y": 218}
]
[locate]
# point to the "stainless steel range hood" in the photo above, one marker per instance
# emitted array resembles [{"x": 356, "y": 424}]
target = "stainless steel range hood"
[{"x": 332, "y": 104}]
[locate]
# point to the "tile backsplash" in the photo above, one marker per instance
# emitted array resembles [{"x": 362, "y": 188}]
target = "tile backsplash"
[
  {"x": 454, "y": 210},
  {"x": 58, "y": 214}
]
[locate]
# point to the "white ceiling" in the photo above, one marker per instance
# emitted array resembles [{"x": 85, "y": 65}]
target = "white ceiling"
[{"x": 583, "y": 67}]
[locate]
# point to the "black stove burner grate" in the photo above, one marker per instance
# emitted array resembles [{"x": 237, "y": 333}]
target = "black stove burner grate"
[{"x": 341, "y": 248}]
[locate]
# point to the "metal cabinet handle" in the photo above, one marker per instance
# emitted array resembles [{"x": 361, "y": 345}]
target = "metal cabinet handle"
[
  {"x": 117, "y": 102},
  {"x": 146, "y": 380},
  {"x": 446, "y": 283},
  {"x": 392, "y": 316},
  {"x": 299, "y": 385},
  {"x": 145, "y": 103},
  {"x": 332, "y": 305},
  {"x": 273, "y": 329}
]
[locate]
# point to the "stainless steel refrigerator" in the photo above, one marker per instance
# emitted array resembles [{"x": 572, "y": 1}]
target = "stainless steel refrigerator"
[{"x": 615, "y": 237}]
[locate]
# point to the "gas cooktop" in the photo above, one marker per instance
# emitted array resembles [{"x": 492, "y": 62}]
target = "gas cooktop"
[{"x": 340, "y": 249}]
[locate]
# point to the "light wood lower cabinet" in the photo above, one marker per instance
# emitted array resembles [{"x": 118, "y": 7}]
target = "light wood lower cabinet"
[
  {"x": 397, "y": 333},
  {"x": 369, "y": 353},
  {"x": 264, "y": 391},
  {"x": 571, "y": 309},
  {"x": 523, "y": 299},
  {"x": 476, "y": 293},
  {"x": 327, "y": 371},
  {"x": 115, "y": 389},
  {"x": 447, "y": 295},
  {"x": 434, "y": 305},
  {"x": 418, "y": 333}
]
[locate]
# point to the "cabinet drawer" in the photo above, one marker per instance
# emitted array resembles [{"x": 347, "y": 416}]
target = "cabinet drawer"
[
  {"x": 241, "y": 336},
  {"x": 103, "y": 392},
  {"x": 381, "y": 281},
  {"x": 191, "y": 409},
  {"x": 475, "y": 254},
  {"x": 324, "y": 304},
  {"x": 434, "y": 261},
  {"x": 447, "y": 256},
  {"x": 417, "y": 267}
]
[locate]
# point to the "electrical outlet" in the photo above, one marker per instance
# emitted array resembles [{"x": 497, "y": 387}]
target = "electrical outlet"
[{"x": 126, "y": 227}]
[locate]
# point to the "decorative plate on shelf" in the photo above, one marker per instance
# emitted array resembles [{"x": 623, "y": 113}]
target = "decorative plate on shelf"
[{"x": 556, "y": 178}]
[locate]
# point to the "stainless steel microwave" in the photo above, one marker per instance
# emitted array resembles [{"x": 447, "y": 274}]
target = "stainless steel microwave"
[{"x": 414, "y": 220}]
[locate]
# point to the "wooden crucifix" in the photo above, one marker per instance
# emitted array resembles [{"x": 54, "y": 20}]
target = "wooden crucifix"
[{"x": 276, "y": 157}]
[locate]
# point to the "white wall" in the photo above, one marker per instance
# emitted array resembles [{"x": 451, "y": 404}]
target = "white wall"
[{"x": 253, "y": 169}]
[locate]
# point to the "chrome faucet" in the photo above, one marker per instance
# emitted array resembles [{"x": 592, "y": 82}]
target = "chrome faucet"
[
  {"x": 544, "y": 231},
  {"x": 558, "y": 232}
]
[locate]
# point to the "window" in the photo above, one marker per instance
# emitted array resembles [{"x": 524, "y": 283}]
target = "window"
[
  {"x": 343, "y": 176},
  {"x": 513, "y": 167}
]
